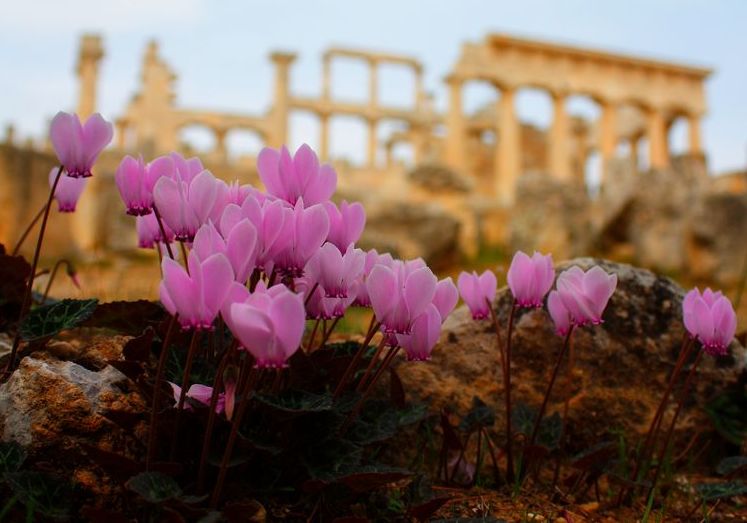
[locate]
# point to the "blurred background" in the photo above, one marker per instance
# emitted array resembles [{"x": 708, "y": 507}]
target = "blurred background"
[{"x": 468, "y": 129}]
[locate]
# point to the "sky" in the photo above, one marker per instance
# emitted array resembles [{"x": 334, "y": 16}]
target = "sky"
[{"x": 219, "y": 49}]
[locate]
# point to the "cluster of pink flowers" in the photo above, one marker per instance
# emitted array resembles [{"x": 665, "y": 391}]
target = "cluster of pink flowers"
[{"x": 268, "y": 261}]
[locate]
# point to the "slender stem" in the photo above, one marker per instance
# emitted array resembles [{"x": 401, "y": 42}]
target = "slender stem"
[
  {"x": 328, "y": 333},
  {"x": 310, "y": 294},
  {"x": 507, "y": 386},
  {"x": 52, "y": 276},
  {"x": 499, "y": 341},
  {"x": 460, "y": 458},
  {"x": 217, "y": 384},
  {"x": 491, "y": 450},
  {"x": 353, "y": 413},
  {"x": 25, "y": 305},
  {"x": 312, "y": 336},
  {"x": 157, "y": 391},
  {"x": 548, "y": 391},
  {"x": 356, "y": 359},
  {"x": 649, "y": 442},
  {"x": 249, "y": 379},
  {"x": 371, "y": 365},
  {"x": 163, "y": 233},
  {"x": 478, "y": 461},
  {"x": 184, "y": 256},
  {"x": 183, "y": 393},
  {"x": 670, "y": 431},
  {"x": 28, "y": 231}
]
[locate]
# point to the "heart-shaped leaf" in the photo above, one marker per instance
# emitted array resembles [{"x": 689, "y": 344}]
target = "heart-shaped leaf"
[
  {"x": 711, "y": 491},
  {"x": 127, "y": 317},
  {"x": 297, "y": 401},
  {"x": 48, "y": 320},
  {"x": 480, "y": 415},
  {"x": 12, "y": 456},
  {"x": 154, "y": 487},
  {"x": 731, "y": 465}
]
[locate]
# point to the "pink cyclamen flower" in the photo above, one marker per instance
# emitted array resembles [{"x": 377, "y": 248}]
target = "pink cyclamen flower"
[
  {"x": 336, "y": 272},
  {"x": 78, "y": 145},
  {"x": 424, "y": 334},
  {"x": 135, "y": 180},
  {"x": 359, "y": 286},
  {"x": 304, "y": 231},
  {"x": 292, "y": 178},
  {"x": 201, "y": 393},
  {"x": 239, "y": 246},
  {"x": 478, "y": 292},
  {"x": 319, "y": 306},
  {"x": 346, "y": 223},
  {"x": 185, "y": 206},
  {"x": 711, "y": 318},
  {"x": 68, "y": 190},
  {"x": 559, "y": 313},
  {"x": 585, "y": 294},
  {"x": 149, "y": 232},
  {"x": 196, "y": 296},
  {"x": 400, "y": 294},
  {"x": 446, "y": 297},
  {"x": 269, "y": 324},
  {"x": 530, "y": 278}
]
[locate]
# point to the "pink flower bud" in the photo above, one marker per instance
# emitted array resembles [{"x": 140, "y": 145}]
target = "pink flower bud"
[
  {"x": 77, "y": 146},
  {"x": 530, "y": 278}
]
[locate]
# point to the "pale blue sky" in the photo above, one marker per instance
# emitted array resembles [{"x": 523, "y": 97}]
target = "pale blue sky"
[{"x": 219, "y": 49}]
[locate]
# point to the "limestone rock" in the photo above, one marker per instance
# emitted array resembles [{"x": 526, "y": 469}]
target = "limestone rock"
[
  {"x": 550, "y": 216},
  {"x": 410, "y": 231},
  {"x": 717, "y": 240},
  {"x": 48, "y": 403},
  {"x": 621, "y": 366},
  {"x": 437, "y": 177}
]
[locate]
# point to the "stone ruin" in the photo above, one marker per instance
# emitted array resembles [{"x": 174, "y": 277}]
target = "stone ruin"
[{"x": 463, "y": 191}]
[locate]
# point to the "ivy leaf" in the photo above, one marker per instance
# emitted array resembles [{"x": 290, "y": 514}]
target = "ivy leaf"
[
  {"x": 711, "y": 491},
  {"x": 154, "y": 487},
  {"x": 728, "y": 412},
  {"x": 522, "y": 418},
  {"x": 45, "y": 322},
  {"x": 127, "y": 317},
  {"x": 480, "y": 415},
  {"x": 12, "y": 456},
  {"x": 550, "y": 431},
  {"x": 47, "y": 494},
  {"x": 731, "y": 465},
  {"x": 297, "y": 401}
]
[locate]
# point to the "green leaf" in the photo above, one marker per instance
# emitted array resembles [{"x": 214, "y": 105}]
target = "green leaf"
[
  {"x": 480, "y": 415},
  {"x": 711, "y": 491},
  {"x": 127, "y": 317},
  {"x": 12, "y": 456},
  {"x": 47, "y": 494},
  {"x": 550, "y": 431},
  {"x": 154, "y": 487},
  {"x": 728, "y": 412},
  {"x": 522, "y": 418},
  {"x": 731, "y": 465},
  {"x": 48, "y": 320},
  {"x": 297, "y": 401}
]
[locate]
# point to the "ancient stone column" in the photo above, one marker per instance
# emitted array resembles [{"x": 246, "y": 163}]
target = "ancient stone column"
[
  {"x": 220, "y": 145},
  {"x": 326, "y": 78},
  {"x": 278, "y": 134},
  {"x": 608, "y": 134},
  {"x": 508, "y": 161},
  {"x": 455, "y": 136},
  {"x": 91, "y": 53},
  {"x": 657, "y": 140},
  {"x": 324, "y": 137},
  {"x": 559, "y": 146},
  {"x": 693, "y": 126},
  {"x": 121, "y": 127},
  {"x": 419, "y": 92},
  {"x": 372, "y": 143},
  {"x": 373, "y": 84}
]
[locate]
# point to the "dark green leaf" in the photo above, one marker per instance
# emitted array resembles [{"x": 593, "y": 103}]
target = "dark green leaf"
[
  {"x": 728, "y": 412},
  {"x": 480, "y": 415},
  {"x": 711, "y": 491},
  {"x": 297, "y": 401},
  {"x": 373, "y": 477},
  {"x": 48, "y": 320},
  {"x": 731, "y": 465},
  {"x": 596, "y": 457},
  {"x": 522, "y": 418},
  {"x": 154, "y": 487},
  {"x": 12, "y": 456},
  {"x": 48, "y": 494},
  {"x": 550, "y": 431}
]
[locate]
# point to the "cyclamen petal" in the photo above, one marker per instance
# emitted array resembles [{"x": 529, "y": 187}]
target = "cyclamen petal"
[
  {"x": 710, "y": 317},
  {"x": 424, "y": 334},
  {"x": 298, "y": 177},
  {"x": 478, "y": 292},
  {"x": 585, "y": 294},
  {"x": 68, "y": 190},
  {"x": 530, "y": 279},
  {"x": 445, "y": 297},
  {"x": 78, "y": 145},
  {"x": 559, "y": 313}
]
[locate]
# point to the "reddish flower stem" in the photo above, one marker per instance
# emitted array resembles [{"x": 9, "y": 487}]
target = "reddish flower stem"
[
  {"x": 371, "y": 365},
  {"x": 52, "y": 276},
  {"x": 249, "y": 380},
  {"x": 26, "y": 304},
  {"x": 26, "y": 232},
  {"x": 670, "y": 431},
  {"x": 548, "y": 391},
  {"x": 184, "y": 256},
  {"x": 157, "y": 392},
  {"x": 217, "y": 384},
  {"x": 507, "y": 386},
  {"x": 372, "y": 328},
  {"x": 163, "y": 233},
  {"x": 312, "y": 336},
  {"x": 183, "y": 393},
  {"x": 649, "y": 442},
  {"x": 328, "y": 333}
]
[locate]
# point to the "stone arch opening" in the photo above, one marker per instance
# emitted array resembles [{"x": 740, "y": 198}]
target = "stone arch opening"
[
  {"x": 350, "y": 79},
  {"x": 534, "y": 110},
  {"x": 348, "y": 139},
  {"x": 396, "y": 85},
  {"x": 196, "y": 138},
  {"x": 243, "y": 144},
  {"x": 678, "y": 135},
  {"x": 304, "y": 128}
]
